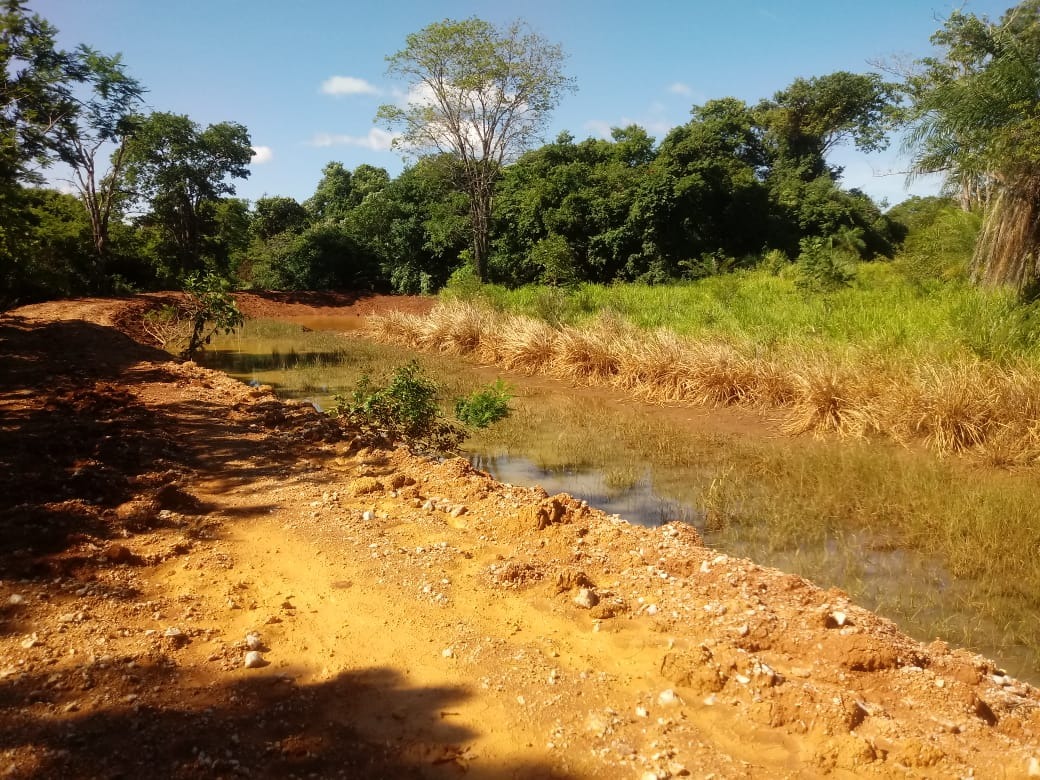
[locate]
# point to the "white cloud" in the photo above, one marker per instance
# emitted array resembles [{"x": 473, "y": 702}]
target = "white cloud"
[
  {"x": 678, "y": 88},
  {"x": 262, "y": 154},
  {"x": 377, "y": 139},
  {"x": 347, "y": 85}
]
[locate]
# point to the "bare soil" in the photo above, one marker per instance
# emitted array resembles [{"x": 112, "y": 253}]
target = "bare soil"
[{"x": 412, "y": 618}]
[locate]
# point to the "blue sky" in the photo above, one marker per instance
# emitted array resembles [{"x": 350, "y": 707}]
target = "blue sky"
[{"x": 273, "y": 66}]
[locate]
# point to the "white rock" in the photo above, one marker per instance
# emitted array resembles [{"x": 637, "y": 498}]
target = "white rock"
[
  {"x": 16, "y": 599},
  {"x": 641, "y": 712},
  {"x": 254, "y": 660},
  {"x": 586, "y": 598},
  {"x": 666, "y": 697},
  {"x": 31, "y": 641},
  {"x": 447, "y": 652},
  {"x": 839, "y": 618},
  {"x": 1034, "y": 767},
  {"x": 652, "y": 609},
  {"x": 173, "y": 633},
  {"x": 253, "y": 641},
  {"x": 368, "y": 515}
]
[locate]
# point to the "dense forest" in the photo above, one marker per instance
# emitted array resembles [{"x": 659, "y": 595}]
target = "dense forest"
[{"x": 739, "y": 185}]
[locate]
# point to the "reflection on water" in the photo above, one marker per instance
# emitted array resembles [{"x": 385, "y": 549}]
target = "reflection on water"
[
  {"x": 637, "y": 503},
  {"x": 650, "y": 471}
]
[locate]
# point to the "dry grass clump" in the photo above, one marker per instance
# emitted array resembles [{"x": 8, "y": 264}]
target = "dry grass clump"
[
  {"x": 975, "y": 407},
  {"x": 526, "y": 345},
  {"x": 655, "y": 367},
  {"x": 831, "y": 399},
  {"x": 395, "y": 327},
  {"x": 591, "y": 356}
]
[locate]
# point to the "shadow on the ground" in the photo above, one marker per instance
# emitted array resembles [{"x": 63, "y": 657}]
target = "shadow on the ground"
[
  {"x": 83, "y": 458},
  {"x": 362, "y": 724}
]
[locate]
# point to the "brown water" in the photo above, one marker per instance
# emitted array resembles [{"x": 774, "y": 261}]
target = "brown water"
[{"x": 650, "y": 465}]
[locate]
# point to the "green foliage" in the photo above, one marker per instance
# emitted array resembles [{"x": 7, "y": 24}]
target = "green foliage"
[
  {"x": 322, "y": 257},
  {"x": 974, "y": 115},
  {"x": 774, "y": 261},
  {"x": 210, "y": 308},
  {"x": 938, "y": 249},
  {"x": 553, "y": 254},
  {"x": 178, "y": 171},
  {"x": 490, "y": 91},
  {"x": 824, "y": 269},
  {"x": 483, "y": 407},
  {"x": 405, "y": 409},
  {"x": 278, "y": 214}
]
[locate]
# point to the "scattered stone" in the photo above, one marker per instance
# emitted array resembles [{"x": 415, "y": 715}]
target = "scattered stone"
[
  {"x": 117, "y": 553},
  {"x": 364, "y": 485},
  {"x": 586, "y": 598},
  {"x": 666, "y": 697},
  {"x": 254, "y": 660},
  {"x": 175, "y": 636}
]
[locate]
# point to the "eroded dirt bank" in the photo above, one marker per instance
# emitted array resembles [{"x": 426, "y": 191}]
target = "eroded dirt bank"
[{"x": 158, "y": 522}]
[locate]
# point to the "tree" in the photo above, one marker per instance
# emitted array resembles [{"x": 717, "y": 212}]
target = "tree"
[
  {"x": 480, "y": 93},
  {"x": 103, "y": 118},
  {"x": 277, "y": 214},
  {"x": 975, "y": 116},
  {"x": 179, "y": 171}
]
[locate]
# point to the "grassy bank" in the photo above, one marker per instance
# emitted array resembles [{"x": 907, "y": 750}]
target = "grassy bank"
[
  {"x": 883, "y": 312},
  {"x": 957, "y": 369}
]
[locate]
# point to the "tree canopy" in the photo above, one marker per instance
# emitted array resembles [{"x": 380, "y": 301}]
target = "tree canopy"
[
  {"x": 975, "y": 116},
  {"x": 481, "y": 93}
]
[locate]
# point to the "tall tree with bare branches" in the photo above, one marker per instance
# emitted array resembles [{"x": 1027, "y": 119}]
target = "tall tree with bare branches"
[{"x": 479, "y": 93}]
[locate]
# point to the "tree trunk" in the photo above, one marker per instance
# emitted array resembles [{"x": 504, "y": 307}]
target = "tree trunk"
[
  {"x": 480, "y": 205},
  {"x": 1008, "y": 249}
]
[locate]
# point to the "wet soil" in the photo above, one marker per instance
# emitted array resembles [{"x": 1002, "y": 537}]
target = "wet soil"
[{"x": 160, "y": 522}]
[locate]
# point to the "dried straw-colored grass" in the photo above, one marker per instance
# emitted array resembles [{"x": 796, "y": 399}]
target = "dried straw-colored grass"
[
  {"x": 832, "y": 399},
  {"x": 977, "y": 407},
  {"x": 590, "y": 356},
  {"x": 527, "y": 345}
]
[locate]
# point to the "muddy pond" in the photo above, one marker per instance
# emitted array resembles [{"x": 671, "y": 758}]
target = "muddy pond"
[{"x": 821, "y": 509}]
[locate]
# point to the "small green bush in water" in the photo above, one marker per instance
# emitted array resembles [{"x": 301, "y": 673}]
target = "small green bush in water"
[
  {"x": 404, "y": 410},
  {"x": 484, "y": 407}
]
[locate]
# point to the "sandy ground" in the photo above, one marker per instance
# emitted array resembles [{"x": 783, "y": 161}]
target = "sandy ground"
[{"x": 408, "y": 618}]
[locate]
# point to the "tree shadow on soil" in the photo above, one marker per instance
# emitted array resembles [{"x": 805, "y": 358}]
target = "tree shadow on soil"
[
  {"x": 84, "y": 460},
  {"x": 366, "y": 723}
]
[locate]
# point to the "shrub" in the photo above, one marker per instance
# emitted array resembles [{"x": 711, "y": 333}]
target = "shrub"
[
  {"x": 823, "y": 269},
  {"x": 484, "y": 407},
  {"x": 404, "y": 410},
  {"x": 208, "y": 308}
]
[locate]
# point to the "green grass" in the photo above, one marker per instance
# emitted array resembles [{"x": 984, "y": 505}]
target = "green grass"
[{"x": 882, "y": 313}]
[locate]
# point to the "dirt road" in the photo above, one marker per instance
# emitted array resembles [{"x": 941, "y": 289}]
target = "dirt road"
[{"x": 161, "y": 525}]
